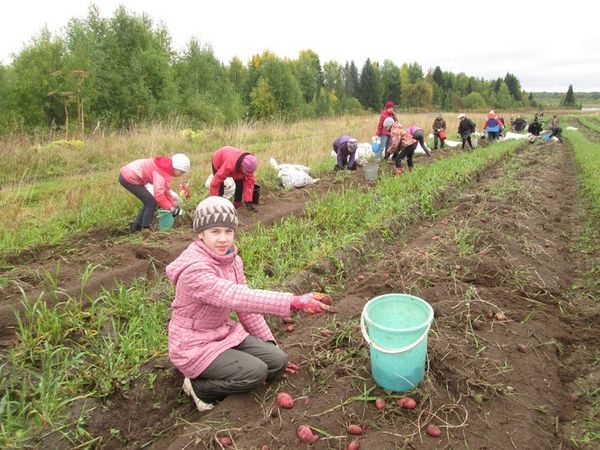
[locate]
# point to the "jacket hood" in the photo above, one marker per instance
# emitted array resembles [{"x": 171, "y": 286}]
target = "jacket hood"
[
  {"x": 197, "y": 252},
  {"x": 165, "y": 164}
]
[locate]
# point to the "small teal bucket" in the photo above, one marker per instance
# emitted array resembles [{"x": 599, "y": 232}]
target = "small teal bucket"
[
  {"x": 165, "y": 219},
  {"x": 375, "y": 147},
  {"x": 396, "y": 326}
]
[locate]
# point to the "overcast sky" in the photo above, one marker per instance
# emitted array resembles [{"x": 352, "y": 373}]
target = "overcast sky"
[{"x": 547, "y": 45}]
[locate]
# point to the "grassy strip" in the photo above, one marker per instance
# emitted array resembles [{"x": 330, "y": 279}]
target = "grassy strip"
[
  {"x": 67, "y": 353},
  {"x": 588, "y": 159},
  {"x": 336, "y": 220},
  {"x": 591, "y": 123}
]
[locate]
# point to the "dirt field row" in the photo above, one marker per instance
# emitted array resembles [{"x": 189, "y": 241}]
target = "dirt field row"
[{"x": 512, "y": 351}]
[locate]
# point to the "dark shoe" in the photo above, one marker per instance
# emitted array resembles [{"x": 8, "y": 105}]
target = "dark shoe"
[{"x": 134, "y": 227}]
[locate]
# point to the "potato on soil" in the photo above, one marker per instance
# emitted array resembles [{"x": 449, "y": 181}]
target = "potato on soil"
[
  {"x": 407, "y": 403},
  {"x": 433, "y": 430},
  {"x": 285, "y": 400},
  {"x": 288, "y": 320},
  {"x": 306, "y": 435},
  {"x": 380, "y": 404},
  {"x": 354, "y": 445},
  {"x": 225, "y": 441},
  {"x": 290, "y": 328},
  {"x": 356, "y": 430}
]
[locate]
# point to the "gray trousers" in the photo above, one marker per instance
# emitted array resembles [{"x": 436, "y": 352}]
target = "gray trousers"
[{"x": 240, "y": 369}]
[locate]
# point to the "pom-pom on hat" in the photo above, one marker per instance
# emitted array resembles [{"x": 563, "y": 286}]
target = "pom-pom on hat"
[
  {"x": 214, "y": 212},
  {"x": 389, "y": 104},
  {"x": 249, "y": 163},
  {"x": 461, "y": 116}
]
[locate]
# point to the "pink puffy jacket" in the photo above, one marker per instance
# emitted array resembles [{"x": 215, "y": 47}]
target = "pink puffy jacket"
[
  {"x": 207, "y": 288},
  {"x": 158, "y": 172}
]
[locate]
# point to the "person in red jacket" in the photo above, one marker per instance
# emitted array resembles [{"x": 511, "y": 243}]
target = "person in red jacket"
[
  {"x": 239, "y": 165},
  {"x": 158, "y": 172},
  {"x": 382, "y": 132}
]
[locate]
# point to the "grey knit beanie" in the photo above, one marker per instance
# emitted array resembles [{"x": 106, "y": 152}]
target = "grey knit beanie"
[{"x": 213, "y": 212}]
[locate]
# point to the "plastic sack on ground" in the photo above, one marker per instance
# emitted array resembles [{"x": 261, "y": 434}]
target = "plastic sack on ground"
[
  {"x": 452, "y": 144},
  {"x": 419, "y": 150},
  {"x": 176, "y": 197},
  {"x": 572, "y": 128},
  {"x": 364, "y": 153},
  {"x": 293, "y": 175},
  {"x": 511, "y": 135},
  {"x": 229, "y": 186}
]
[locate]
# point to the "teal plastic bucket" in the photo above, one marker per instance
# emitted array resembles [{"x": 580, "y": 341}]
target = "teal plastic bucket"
[
  {"x": 396, "y": 326},
  {"x": 165, "y": 219},
  {"x": 375, "y": 147}
]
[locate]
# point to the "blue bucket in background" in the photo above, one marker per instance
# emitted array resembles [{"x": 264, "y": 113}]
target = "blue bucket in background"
[
  {"x": 396, "y": 326},
  {"x": 375, "y": 147}
]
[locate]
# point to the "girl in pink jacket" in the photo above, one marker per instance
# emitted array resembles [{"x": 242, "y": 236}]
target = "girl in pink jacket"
[
  {"x": 158, "y": 172},
  {"x": 217, "y": 355}
]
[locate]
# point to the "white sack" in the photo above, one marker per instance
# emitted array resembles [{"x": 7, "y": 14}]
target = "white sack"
[
  {"x": 452, "y": 144},
  {"x": 175, "y": 196},
  {"x": 511, "y": 135},
  {"x": 293, "y": 175},
  {"x": 364, "y": 153},
  {"x": 229, "y": 186},
  {"x": 572, "y": 128}
]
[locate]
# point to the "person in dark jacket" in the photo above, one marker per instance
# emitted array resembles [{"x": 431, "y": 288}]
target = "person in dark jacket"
[
  {"x": 239, "y": 165},
  {"x": 383, "y": 132},
  {"x": 465, "y": 127},
  {"x": 345, "y": 149},
  {"x": 439, "y": 131},
  {"x": 519, "y": 124}
]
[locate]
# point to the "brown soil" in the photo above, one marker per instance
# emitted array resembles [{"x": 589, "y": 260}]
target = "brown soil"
[{"x": 510, "y": 341}]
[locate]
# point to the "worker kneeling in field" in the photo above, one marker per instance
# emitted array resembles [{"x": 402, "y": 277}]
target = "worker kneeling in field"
[
  {"x": 217, "y": 355},
  {"x": 239, "y": 165},
  {"x": 345, "y": 149},
  {"x": 158, "y": 172}
]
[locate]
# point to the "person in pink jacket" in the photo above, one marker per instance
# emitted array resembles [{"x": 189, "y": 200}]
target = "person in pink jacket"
[
  {"x": 239, "y": 165},
  {"x": 217, "y": 355},
  {"x": 158, "y": 172}
]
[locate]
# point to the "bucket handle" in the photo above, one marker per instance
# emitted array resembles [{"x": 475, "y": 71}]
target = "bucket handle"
[{"x": 363, "y": 328}]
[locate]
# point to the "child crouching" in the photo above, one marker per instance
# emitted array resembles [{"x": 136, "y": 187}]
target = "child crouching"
[{"x": 217, "y": 355}]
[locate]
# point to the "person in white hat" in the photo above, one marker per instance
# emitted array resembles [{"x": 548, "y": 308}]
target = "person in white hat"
[
  {"x": 345, "y": 149},
  {"x": 218, "y": 355},
  {"x": 158, "y": 172}
]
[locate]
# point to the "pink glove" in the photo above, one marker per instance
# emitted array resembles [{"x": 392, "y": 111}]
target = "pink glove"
[{"x": 312, "y": 303}]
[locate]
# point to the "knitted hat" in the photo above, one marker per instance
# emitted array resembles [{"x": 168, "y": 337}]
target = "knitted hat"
[
  {"x": 388, "y": 122},
  {"x": 461, "y": 116},
  {"x": 389, "y": 104},
  {"x": 213, "y": 212},
  {"x": 249, "y": 163},
  {"x": 352, "y": 145}
]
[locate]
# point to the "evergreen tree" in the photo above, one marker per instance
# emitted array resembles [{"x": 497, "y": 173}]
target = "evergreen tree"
[
  {"x": 390, "y": 77},
  {"x": 569, "y": 99},
  {"x": 369, "y": 92},
  {"x": 514, "y": 86},
  {"x": 350, "y": 77},
  {"x": 438, "y": 77}
]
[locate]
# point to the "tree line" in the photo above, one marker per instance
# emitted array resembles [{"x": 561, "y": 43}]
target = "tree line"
[{"x": 122, "y": 70}]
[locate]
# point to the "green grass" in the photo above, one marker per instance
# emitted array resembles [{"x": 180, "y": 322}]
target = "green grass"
[
  {"x": 67, "y": 353},
  {"x": 587, "y": 157}
]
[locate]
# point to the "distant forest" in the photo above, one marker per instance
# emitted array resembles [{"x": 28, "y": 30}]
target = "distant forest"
[{"x": 122, "y": 70}]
